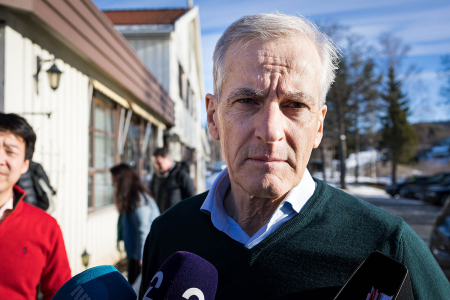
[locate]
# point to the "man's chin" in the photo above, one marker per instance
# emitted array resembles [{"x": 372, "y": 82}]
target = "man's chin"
[{"x": 265, "y": 189}]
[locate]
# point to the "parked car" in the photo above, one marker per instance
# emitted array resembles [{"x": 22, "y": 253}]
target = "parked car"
[
  {"x": 411, "y": 190},
  {"x": 440, "y": 239},
  {"x": 436, "y": 194},
  {"x": 394, "y": 189}
]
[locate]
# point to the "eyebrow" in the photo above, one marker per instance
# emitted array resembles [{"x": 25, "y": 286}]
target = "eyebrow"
[
  {"x": 11, "y": 146},
  {"x": 299, "y": 96},
  {"x": 248, "y": 92}
]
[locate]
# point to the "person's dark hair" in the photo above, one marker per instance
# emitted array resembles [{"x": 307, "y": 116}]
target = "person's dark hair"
[
  {"x": 127, "y": 189},
  {"x": 163, "y": 152},
  {"x": 20, "y": 128}
]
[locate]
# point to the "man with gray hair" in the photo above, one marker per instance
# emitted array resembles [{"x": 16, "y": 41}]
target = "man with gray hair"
[{"x": 270, "y": 229}]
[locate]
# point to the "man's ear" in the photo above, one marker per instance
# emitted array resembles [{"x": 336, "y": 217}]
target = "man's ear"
[
  {"x": 25, "y": 166},
  {"x": 211, "y": 116},
  {"x": 319, "y": 132}
]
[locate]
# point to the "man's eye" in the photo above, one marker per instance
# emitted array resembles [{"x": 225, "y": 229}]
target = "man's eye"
[
  {"x": 245, "y": 101},
  {"x": 296, "y": 105}
]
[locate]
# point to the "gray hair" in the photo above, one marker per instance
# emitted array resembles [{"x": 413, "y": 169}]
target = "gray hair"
[{"x": 271, "y": 27}]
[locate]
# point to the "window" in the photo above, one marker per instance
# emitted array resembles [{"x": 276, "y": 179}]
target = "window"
[
  {"x": 131, "y": 149},
  {"x": 148, "y": 168},
  {"x": 180, "y": 80},
  {"x": 188, "y": 95},
  {"x": 102, "y": 151}
]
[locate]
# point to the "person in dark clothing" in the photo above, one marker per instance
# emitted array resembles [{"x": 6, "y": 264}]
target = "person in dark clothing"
[
  {"x": 271, "y": 230},
  {"x": 36, "y": 184},
  {"x": 171, "y": 182}
]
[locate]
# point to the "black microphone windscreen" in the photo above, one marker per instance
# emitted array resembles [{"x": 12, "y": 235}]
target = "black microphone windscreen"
[{"x": 182, "y": 276}]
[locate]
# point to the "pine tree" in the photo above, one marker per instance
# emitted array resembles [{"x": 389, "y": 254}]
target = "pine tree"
[
  {"x": 398, "y": 135},
  {"x": 364, "y": 98}
]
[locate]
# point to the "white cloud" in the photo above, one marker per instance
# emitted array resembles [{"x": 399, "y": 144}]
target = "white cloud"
[{"x": 437, "y": 49}]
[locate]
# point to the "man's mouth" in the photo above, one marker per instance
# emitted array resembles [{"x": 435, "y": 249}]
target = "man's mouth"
[{"x": 268, "y": 159}]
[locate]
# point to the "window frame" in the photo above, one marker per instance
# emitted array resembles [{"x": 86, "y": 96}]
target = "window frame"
[{"x": 98, "y": 98}]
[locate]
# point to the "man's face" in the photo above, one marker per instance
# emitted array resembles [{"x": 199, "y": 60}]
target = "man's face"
[
  {"x": 162, "y": 164},
  {"x": 268, "y": 118},
  {"x": 12, "y": 160}
]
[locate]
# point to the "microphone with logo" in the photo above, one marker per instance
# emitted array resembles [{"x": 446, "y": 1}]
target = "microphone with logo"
[
  {"x": 98, "y": 283},
  {"x": 183, "y": 275}
]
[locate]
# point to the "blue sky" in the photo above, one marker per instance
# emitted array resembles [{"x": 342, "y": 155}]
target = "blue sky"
[{"x": 424, "y": 25}]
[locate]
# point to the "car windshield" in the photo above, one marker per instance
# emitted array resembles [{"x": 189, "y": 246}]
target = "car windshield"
[
  {"x": 421, "y": 180},
  {"x": 445, "y": 227},
  {"x": 445, "y": 180},
  {"x": 435, "y": 179}
]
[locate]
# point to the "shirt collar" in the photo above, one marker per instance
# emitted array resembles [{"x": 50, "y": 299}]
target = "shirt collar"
[
  {"x": 300, "y": 194},
  {"x": 8, "y": 205},
  {"x": 213, "y": 204}
]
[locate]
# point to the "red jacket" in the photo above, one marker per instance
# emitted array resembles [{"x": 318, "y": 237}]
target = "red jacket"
[{"x": 32, "y": 251}]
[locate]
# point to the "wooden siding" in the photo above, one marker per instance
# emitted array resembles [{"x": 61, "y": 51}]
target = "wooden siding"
[
  {"x": 81, "y": 26},
  {"x": 62, "y": 146},
  {"x": 155, "y": 54}
]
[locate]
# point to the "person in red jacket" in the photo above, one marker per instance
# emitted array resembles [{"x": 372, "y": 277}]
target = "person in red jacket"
[{"x": 32, "y": 249}]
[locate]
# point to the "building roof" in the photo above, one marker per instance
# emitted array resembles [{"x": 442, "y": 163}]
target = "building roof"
[
  {"x": 148, "y": 16},
  {"x": 83, "y": 28}
]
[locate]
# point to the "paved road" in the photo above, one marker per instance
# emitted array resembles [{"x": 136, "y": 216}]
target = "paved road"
[{"x": 418, "y": 214}]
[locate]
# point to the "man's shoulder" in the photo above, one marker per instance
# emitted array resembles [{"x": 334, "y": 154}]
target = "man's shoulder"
[
  {"x": 348, "y": 205},
  {"x": 183, "y": 213},
  {"x": 34, "y": 214},
  {"x": 186, "y": 206}
]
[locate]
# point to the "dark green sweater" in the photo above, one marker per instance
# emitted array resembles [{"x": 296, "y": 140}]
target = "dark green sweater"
[{"x": 311, "y": 256}]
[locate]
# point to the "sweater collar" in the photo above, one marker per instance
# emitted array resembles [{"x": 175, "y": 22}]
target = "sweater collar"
[{"x": 213, "y": 204}]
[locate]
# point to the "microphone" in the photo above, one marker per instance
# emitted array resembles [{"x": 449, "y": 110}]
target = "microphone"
[
  {"x": 183, "y": 275},
  {"x": 98, "y": 283}
]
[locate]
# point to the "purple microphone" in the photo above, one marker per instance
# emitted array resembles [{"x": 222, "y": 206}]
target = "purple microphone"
[{"x": 182, "y": 276}]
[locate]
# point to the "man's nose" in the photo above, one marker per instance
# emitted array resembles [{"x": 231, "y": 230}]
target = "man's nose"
[{"x": 270, "y": 123}]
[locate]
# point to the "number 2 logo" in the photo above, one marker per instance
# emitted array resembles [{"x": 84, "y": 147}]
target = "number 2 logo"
[
  {"x": 194, "y": 292},
  {"x": 158, "y": 276}
]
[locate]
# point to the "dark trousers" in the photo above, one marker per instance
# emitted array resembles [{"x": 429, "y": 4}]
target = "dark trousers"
[{"x": 134, "y": 269}]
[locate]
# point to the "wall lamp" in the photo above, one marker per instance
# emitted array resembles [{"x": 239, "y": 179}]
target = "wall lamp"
[
  {"x": 85, "y": 258},
  {"x": 54, "y": 74}
]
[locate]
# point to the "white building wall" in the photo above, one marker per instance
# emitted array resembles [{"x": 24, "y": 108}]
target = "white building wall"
[
  {"x": 163, "y": 52},
  {"x": 155, "y": 54},
  {"x": 62, "y": 146},
  {"x": 185, "y": 41}
]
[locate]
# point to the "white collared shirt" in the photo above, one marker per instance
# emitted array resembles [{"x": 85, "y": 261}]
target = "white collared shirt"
[
  {"x": 8, "y": 205},
  {"x": 291, "y": 206}
]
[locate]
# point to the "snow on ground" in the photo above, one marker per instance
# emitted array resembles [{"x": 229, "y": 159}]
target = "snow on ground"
[
  {"x": 364, "y": 188},
  {"x": 366, "y": 191},
  {"x": 363, "y": 158}
]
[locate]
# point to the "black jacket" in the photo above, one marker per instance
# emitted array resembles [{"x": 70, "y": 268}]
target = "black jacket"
[
  {"x": 168, "y": 191},
  {"x": 29, "y": 182}
]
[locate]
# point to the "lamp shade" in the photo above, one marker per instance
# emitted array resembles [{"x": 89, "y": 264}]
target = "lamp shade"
[
  {"x": 54, "y": 76},
  {"x": 85, "y": 259}
]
